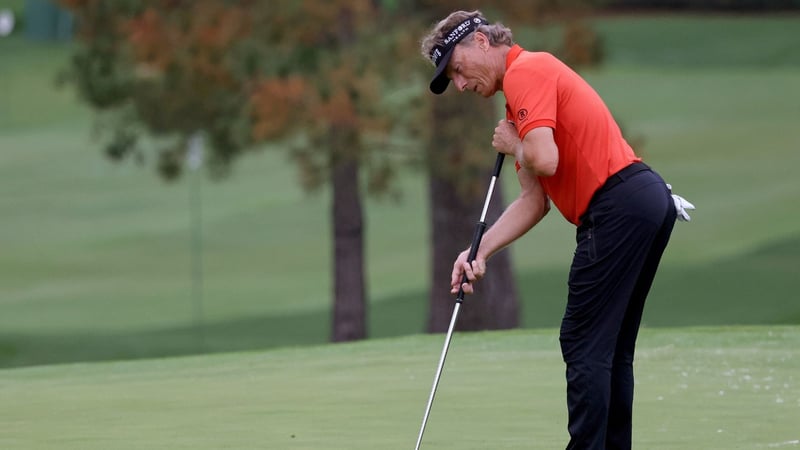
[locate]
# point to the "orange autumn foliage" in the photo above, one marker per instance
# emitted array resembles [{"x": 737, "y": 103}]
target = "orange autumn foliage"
[{"x": 275, "y": 103}]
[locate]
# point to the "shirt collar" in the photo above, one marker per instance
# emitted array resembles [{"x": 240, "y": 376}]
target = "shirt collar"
[{"x": 513, "y": 54}]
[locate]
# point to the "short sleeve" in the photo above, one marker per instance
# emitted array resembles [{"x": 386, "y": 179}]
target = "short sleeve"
[{"x": 531, "y": 91}]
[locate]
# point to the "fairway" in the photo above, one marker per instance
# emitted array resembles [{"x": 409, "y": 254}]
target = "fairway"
[{"x": 703, "y": 388}]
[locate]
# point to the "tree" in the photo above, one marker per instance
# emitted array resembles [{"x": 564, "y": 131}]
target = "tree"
[
  {"x": 336, "y": 48},
  {"x": 164, "y": 69},
  {"x": 243, "y": 72}
]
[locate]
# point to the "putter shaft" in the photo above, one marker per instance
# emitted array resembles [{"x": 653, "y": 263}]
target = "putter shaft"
[
  {"x": 453, "y": 320},
  {"x": 476, "y": 241}
]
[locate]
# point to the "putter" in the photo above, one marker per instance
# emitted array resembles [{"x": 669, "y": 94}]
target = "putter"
[{"x": 480, "y": 227}]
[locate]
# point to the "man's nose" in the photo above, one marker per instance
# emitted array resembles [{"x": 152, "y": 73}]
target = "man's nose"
[{"x": 460, "y": 82}]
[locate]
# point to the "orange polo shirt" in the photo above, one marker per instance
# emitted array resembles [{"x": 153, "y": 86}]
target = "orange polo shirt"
[{"x": 541, "y": 91}]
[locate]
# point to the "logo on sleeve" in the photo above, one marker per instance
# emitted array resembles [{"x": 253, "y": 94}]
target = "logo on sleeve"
[{"x": 522, "y": 114}]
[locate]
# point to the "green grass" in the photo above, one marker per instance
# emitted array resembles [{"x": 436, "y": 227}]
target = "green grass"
[
  {"x": 95, "y": 257},
  {"x": 704, "y": 41},
  {"x": 709, "y": 388},
  {"x": 684, "y": 41}
]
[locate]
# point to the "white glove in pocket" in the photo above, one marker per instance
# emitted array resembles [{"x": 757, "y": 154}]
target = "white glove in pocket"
[{"x": 682, "y": 206}]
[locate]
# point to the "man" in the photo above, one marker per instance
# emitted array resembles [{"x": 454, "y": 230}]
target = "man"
[{"x": 568, "y": 150}]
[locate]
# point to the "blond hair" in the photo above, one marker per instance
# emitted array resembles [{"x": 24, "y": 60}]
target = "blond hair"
[{"x": 497, "y": 33}]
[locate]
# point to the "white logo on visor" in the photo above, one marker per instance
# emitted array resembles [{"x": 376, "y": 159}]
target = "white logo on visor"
[
  {"x": 437, "y": 54},
  {"x": 455, "y": 35}
]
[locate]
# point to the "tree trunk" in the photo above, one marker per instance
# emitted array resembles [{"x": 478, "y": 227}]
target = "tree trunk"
[
  {"x": 349, "y": 304},
  {"x": 461, "y": 159}
]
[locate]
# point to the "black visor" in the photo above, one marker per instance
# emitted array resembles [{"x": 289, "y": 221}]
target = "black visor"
[{"x": 441, "y": 54}]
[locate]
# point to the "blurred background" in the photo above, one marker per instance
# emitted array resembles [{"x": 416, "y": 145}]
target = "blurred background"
[{"x": 190, "y": 177}]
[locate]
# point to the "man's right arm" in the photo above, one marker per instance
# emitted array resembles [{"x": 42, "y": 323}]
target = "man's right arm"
[{"x": 518, "y": 218}]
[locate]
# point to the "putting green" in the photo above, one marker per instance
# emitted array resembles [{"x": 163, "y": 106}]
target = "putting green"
[{"x": 699, "y": 388}]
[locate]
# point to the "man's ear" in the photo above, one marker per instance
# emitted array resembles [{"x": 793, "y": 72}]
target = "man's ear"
[{"x": 482, "y": 40}]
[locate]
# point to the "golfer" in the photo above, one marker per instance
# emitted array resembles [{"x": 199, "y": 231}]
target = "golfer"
[{"x": 568, "y": 151}]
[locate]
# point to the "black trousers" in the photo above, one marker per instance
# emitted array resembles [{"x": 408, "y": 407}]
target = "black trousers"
[{"x": 619, "y": 245}]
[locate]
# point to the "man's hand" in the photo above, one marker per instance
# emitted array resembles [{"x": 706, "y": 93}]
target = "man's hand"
[
  {"x": 474, "y": 271},
  {"x": 505, "y": 139}
]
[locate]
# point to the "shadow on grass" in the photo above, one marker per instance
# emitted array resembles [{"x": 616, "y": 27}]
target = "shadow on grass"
[
  {"x": 755, "y": 289},
  {"x": 392, "y": 317},
  {"x": 236, "y": 335}
]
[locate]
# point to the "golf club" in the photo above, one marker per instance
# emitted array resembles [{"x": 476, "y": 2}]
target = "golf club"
[{"x": 480, "y": 227}]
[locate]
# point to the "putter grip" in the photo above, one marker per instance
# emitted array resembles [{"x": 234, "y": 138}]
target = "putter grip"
[
  {"x": 498, "y": 164},
  {"x": 480, "y": 227}
]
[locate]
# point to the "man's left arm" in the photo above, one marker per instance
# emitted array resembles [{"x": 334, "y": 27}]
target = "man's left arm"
[{"x": 537, "y": 151}]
